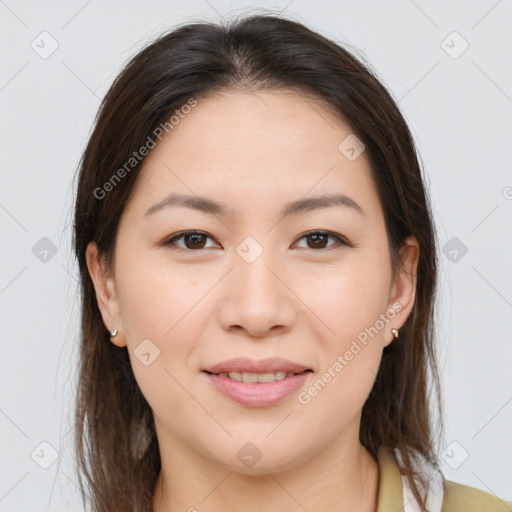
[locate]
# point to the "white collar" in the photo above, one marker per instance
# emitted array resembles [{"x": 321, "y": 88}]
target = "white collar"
[{"x": 435, "y": 484}]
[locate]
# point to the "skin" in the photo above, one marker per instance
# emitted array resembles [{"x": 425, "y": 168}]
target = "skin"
[{"x": 298, "y": 300}]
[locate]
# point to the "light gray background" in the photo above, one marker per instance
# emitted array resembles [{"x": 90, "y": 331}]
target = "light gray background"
[{"x": 459, "y": 110}]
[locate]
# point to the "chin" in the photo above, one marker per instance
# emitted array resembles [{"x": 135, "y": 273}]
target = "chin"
[{"x": 251, "y": 461}]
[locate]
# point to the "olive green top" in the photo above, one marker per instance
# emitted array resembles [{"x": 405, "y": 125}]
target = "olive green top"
[{"x": 456, "y": 498}]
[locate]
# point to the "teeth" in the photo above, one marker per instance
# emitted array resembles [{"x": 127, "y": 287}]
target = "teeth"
[{"x": 257, "y": 377}]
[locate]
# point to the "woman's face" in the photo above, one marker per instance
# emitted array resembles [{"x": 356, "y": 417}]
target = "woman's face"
[{"x": 257, "y": 282}]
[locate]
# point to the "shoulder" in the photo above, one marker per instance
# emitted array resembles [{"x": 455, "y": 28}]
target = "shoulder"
[{"x": 462, "y": 498}]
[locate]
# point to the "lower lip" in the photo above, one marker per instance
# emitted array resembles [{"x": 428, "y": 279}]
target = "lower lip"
[{"x": 257, "y": 394}]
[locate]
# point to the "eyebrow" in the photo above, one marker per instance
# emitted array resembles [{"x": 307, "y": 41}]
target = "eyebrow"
[{"x": 210, "y": 206}]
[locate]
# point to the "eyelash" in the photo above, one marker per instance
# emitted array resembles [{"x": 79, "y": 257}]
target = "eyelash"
[{"x": 341, "y": 241}]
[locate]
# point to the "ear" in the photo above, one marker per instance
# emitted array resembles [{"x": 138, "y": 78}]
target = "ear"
[
  {"x": 403, "y": 287},
  {"x": 104, "y": 287}
]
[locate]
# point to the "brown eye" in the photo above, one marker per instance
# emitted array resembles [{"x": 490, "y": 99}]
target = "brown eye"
[
  {"x": 193, "y": 240},
  {"x": 319, "y": 240}
]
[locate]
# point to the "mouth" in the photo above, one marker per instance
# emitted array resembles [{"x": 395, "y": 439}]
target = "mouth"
[
  {"x": 257, "y": 383},
  {"x": 257, "y": 389},
  {"x": 254, "y": 377},
  {"x": 240, "y": 367}
]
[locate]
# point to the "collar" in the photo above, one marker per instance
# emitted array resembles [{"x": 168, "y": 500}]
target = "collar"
[{"x": 395, "y": 493}]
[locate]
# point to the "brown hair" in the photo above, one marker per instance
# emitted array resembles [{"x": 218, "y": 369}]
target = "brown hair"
[{"x": 115, "y": 440}]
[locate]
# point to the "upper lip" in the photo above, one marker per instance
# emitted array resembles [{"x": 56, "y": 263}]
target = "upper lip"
[{"x": 243, "y": 364}]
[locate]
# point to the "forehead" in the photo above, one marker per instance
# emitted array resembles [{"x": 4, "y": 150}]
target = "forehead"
[
  {"x": 242, "y": 146},
  {"x": 261, "y": 120}
]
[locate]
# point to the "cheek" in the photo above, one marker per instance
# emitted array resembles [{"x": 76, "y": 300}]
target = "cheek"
[
  {"x": 155, "y": 296},
  {"x": 349, "y": 298},
  {"x": 161, "y": 311},
  {"x": 351, "y": 302}
]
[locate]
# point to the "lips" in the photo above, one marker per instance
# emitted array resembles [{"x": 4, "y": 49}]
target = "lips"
[
  {"x": 257, "y": 394},
  {"x": 245, "y": 365}
]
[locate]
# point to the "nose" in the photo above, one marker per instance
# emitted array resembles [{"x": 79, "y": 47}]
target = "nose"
[{"x": 257, "y": 298}]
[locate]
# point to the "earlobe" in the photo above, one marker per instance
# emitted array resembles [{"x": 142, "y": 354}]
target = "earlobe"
[
  {"x": 403, "y": 290},
  {"x": 105, "y": 293}
]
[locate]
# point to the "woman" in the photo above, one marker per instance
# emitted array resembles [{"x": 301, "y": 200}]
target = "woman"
[{"x": 258, "y": 272}]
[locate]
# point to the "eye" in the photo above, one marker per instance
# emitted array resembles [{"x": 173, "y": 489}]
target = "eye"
[
  {"x": 194, "y": 240},
  {"x": 319, "y": 239}
]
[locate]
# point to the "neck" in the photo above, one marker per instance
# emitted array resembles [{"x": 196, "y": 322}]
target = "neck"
[{"x": 342, "y": 479}]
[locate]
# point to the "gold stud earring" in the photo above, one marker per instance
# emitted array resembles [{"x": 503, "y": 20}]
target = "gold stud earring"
[
  {"x": 113, "y": 333},
  {"x": 395, "y": 332}
]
